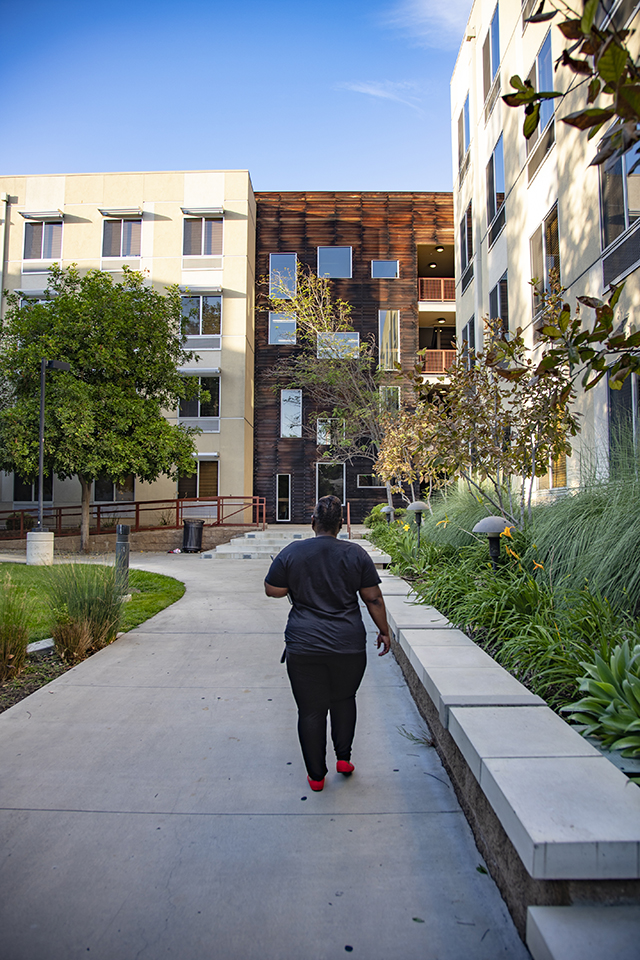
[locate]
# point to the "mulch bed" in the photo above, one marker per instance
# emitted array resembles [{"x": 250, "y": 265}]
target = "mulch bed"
[{"x": 36, "y": 674}]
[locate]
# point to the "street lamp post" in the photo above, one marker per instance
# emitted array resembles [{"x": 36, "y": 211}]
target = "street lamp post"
[
  {"x": 44, "y": 366},
  {"x": 418, "y": 507}
]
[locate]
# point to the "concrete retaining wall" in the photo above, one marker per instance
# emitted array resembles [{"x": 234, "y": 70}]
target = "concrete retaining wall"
[{"x": 148, "y": 541}]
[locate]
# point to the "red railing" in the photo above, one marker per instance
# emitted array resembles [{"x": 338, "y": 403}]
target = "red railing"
[
  {"x": 436, "y": 288},
  {"x": 139, "y": 515},
  {"x": 437, "y": 361}
]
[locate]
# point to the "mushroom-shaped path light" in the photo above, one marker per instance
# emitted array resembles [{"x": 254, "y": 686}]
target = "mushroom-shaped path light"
[
  {"x": 388, "y": 512},
  {"x": 418, "y": 507},
  {"x": 493, "y": 527}
]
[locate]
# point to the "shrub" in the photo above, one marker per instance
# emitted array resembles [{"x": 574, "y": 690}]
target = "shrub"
[
  {"x": 14, "y": 632},
  {"x": 611, "y": 709},
  {"x": 86, "y": 605}
]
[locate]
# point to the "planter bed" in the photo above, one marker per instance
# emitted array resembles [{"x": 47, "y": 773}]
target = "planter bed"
[{"x": 557, "y": 822}]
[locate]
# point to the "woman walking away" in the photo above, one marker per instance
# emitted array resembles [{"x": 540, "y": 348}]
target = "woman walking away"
[{"x": 325, "y": 636}]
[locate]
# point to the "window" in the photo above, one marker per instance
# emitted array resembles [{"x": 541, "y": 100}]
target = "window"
[
  {"x": 624, "y": 422},
  {"x": 369, "y": 480},
  {"x": 330, "y": 480},
  {"x": 464, "y": 133},
  {"x": 106, "y": 491},
  {"x": 545, "y": 257},
  {"x": 202, "y": 237},
  {"x": 43, "y": 240},
  {"x": 491, "y": 53},
  {"x": 541, "y": 76},
  {"x": 466, "y": 238},
  {"x": 499, "y": 303},
  {"x": 338, "y": 345},
  {"x": 469, "y": 342},
  {"x": 330, "y": 431},
  {"x": 388, "y": 338},
  {"x": 283, "y": 496},
  {"x": 202, "y": 483},
  {"x": 385, "y": 269},
  {"x": 27, "y": 491},
  {"x": 193, "y": 409},
  {"x": 282, "y": 275},
  {"x": 620, "y": 195},
  {"x": 291, "y": 413},
  {"x": 201, "y": 315},
  {"x": 390, "y": 399},
  {"x": 495, "y": 191},
  {"x": 121, "y": 238},
  {"x": 556, "y": 475},
  {"x": 334, "y": 262},
  {"x": 282, "y": 328}
]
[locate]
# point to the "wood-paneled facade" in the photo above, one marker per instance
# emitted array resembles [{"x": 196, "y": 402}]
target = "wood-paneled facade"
[{"x": 377, "y": 226}]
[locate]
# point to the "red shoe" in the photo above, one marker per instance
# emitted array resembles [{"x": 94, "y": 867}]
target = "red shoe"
[
  {"x": 316, "y": 785},
  {"x": 345, "y": 768}
]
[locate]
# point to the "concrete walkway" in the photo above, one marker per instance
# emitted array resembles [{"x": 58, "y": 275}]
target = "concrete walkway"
[{"x": 153, "y": 803}]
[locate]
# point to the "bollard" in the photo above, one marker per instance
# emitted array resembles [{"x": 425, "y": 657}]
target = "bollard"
[{"x": 122, "y": 558}]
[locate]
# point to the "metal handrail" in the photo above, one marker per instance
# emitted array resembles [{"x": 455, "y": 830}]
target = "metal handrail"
[
  {"x": 165, "y": 514},
  {"x": 437, "y": 361}
]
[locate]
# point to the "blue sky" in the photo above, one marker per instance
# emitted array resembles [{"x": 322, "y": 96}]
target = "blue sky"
[{"x": 337, "y": 95}]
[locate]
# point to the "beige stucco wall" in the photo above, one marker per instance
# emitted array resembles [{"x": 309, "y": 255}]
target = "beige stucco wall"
[
  {"x": 564, "y": 176},
  {"x": 160, "y": 195}
]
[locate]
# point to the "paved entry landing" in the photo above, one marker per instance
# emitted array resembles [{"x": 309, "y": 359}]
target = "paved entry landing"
[{"x": 153, "y": 804}]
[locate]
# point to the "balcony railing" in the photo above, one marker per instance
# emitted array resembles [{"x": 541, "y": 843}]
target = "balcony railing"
[
  {"x": 436, "y": 288},
  {"x": 139, "y": 515},
  {"x": 437, "y": 361}
]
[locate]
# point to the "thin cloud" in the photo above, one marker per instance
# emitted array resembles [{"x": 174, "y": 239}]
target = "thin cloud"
[
  {"x": 384, "y": 90},
  {"x": 431, "y": 23}
]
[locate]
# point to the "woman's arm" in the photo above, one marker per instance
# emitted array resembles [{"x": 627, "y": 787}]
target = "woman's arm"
[
  {"x": 374, "y": 601},
  {"x": 275, "y": 591}
]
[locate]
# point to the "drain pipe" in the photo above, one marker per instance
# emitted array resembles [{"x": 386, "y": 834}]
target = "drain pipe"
[{"x": 4, "y": 213}]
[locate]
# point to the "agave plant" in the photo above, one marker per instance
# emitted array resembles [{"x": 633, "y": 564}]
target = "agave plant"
[{"x": 611, "y": 709}]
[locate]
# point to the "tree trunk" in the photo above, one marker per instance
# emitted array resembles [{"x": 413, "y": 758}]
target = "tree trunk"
[{"x": 85, "y": 515}]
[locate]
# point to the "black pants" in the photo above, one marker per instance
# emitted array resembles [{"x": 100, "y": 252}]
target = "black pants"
[{"x": 324, "y": 684}]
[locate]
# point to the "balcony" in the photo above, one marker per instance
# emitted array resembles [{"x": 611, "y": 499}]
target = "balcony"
[
  {"x": 437, "y": 361},
  {"x": 437, "y": 289}
]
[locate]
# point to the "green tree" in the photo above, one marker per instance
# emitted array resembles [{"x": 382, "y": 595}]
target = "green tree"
[
  {"x": 598, "y": 58},
  {"x": 104, "y": 418}
]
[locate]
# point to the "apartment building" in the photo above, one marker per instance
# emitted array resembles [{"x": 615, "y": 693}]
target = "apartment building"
[
  {"x": 523, "y": 209},
  {"x": 191, "y": 228},
  {"x": 390, "y": 256}
]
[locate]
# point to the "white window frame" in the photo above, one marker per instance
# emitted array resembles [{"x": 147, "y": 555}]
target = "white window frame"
[
  {"x": 369, "y": 486},
  {"x": 336, "y": 276},
  {"x": 282, "y": 293},
  {"x": 200, "y": 296},
  {"x": 274, "y": 324},
  {"x": 121, "y": 255},
  {"x": 203, "y": 219},
  {"x": 280, "y": 519},
  {"x": 381, "y": 323},
  {"x": 397, "y": 273},
  {"x": 44, "y": 224},
  {"x": 290, "y": 421},
  {"x": 338, "y": 345}
]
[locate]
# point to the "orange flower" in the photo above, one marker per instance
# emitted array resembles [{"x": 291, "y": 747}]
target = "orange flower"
[
  {"x": 538, "y": 566},
  {"x": 507, "y": 532}
]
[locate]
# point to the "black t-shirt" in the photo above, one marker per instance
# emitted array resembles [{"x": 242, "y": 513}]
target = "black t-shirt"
[{"x": 323, "y": 575}]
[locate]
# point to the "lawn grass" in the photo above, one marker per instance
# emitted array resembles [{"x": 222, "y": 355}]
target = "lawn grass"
[{"x": 150, "y": 593}]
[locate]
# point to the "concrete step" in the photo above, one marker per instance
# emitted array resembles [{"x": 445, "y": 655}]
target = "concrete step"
[
  {"x": 241, "y": 548},
  {"x": 583, "y": 932}
]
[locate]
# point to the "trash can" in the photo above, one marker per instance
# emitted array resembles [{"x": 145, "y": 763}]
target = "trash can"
[{"x": 192, "y": 537}]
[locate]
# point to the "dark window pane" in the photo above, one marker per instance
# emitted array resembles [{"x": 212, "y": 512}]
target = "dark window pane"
[
  {"x": 124, "y": 492},
  {"x": 331, "y": 480},
  {"x": 486, "y": 64},
  {"x": 192, "y": 238},
  {"x": 111, "y": 238},
  {"x": 188, "y": 486},
  {"x": 211, "y": 308},
  {"x": 537, "y": 268},
  {"x": 33, "y": 241},
  {"x": 52, "y": 241},
  {"x": 210, "y": 408},
  {"x": 212, "y": 238},
  {"x": 131, "y": 231},
  {"x": 191, "y": 316},
  {"x": 552, "y": 243},
  {"x": 334, "y": 262},
  {"x": 498, "y": 160},
  {"x": 491, "y": 191},
  {"x": 22, "y": 489},
  {"x": 283, "y": 493},
  {"x": 208, "y": 481},
  {"x": 103, "y": 490}
]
